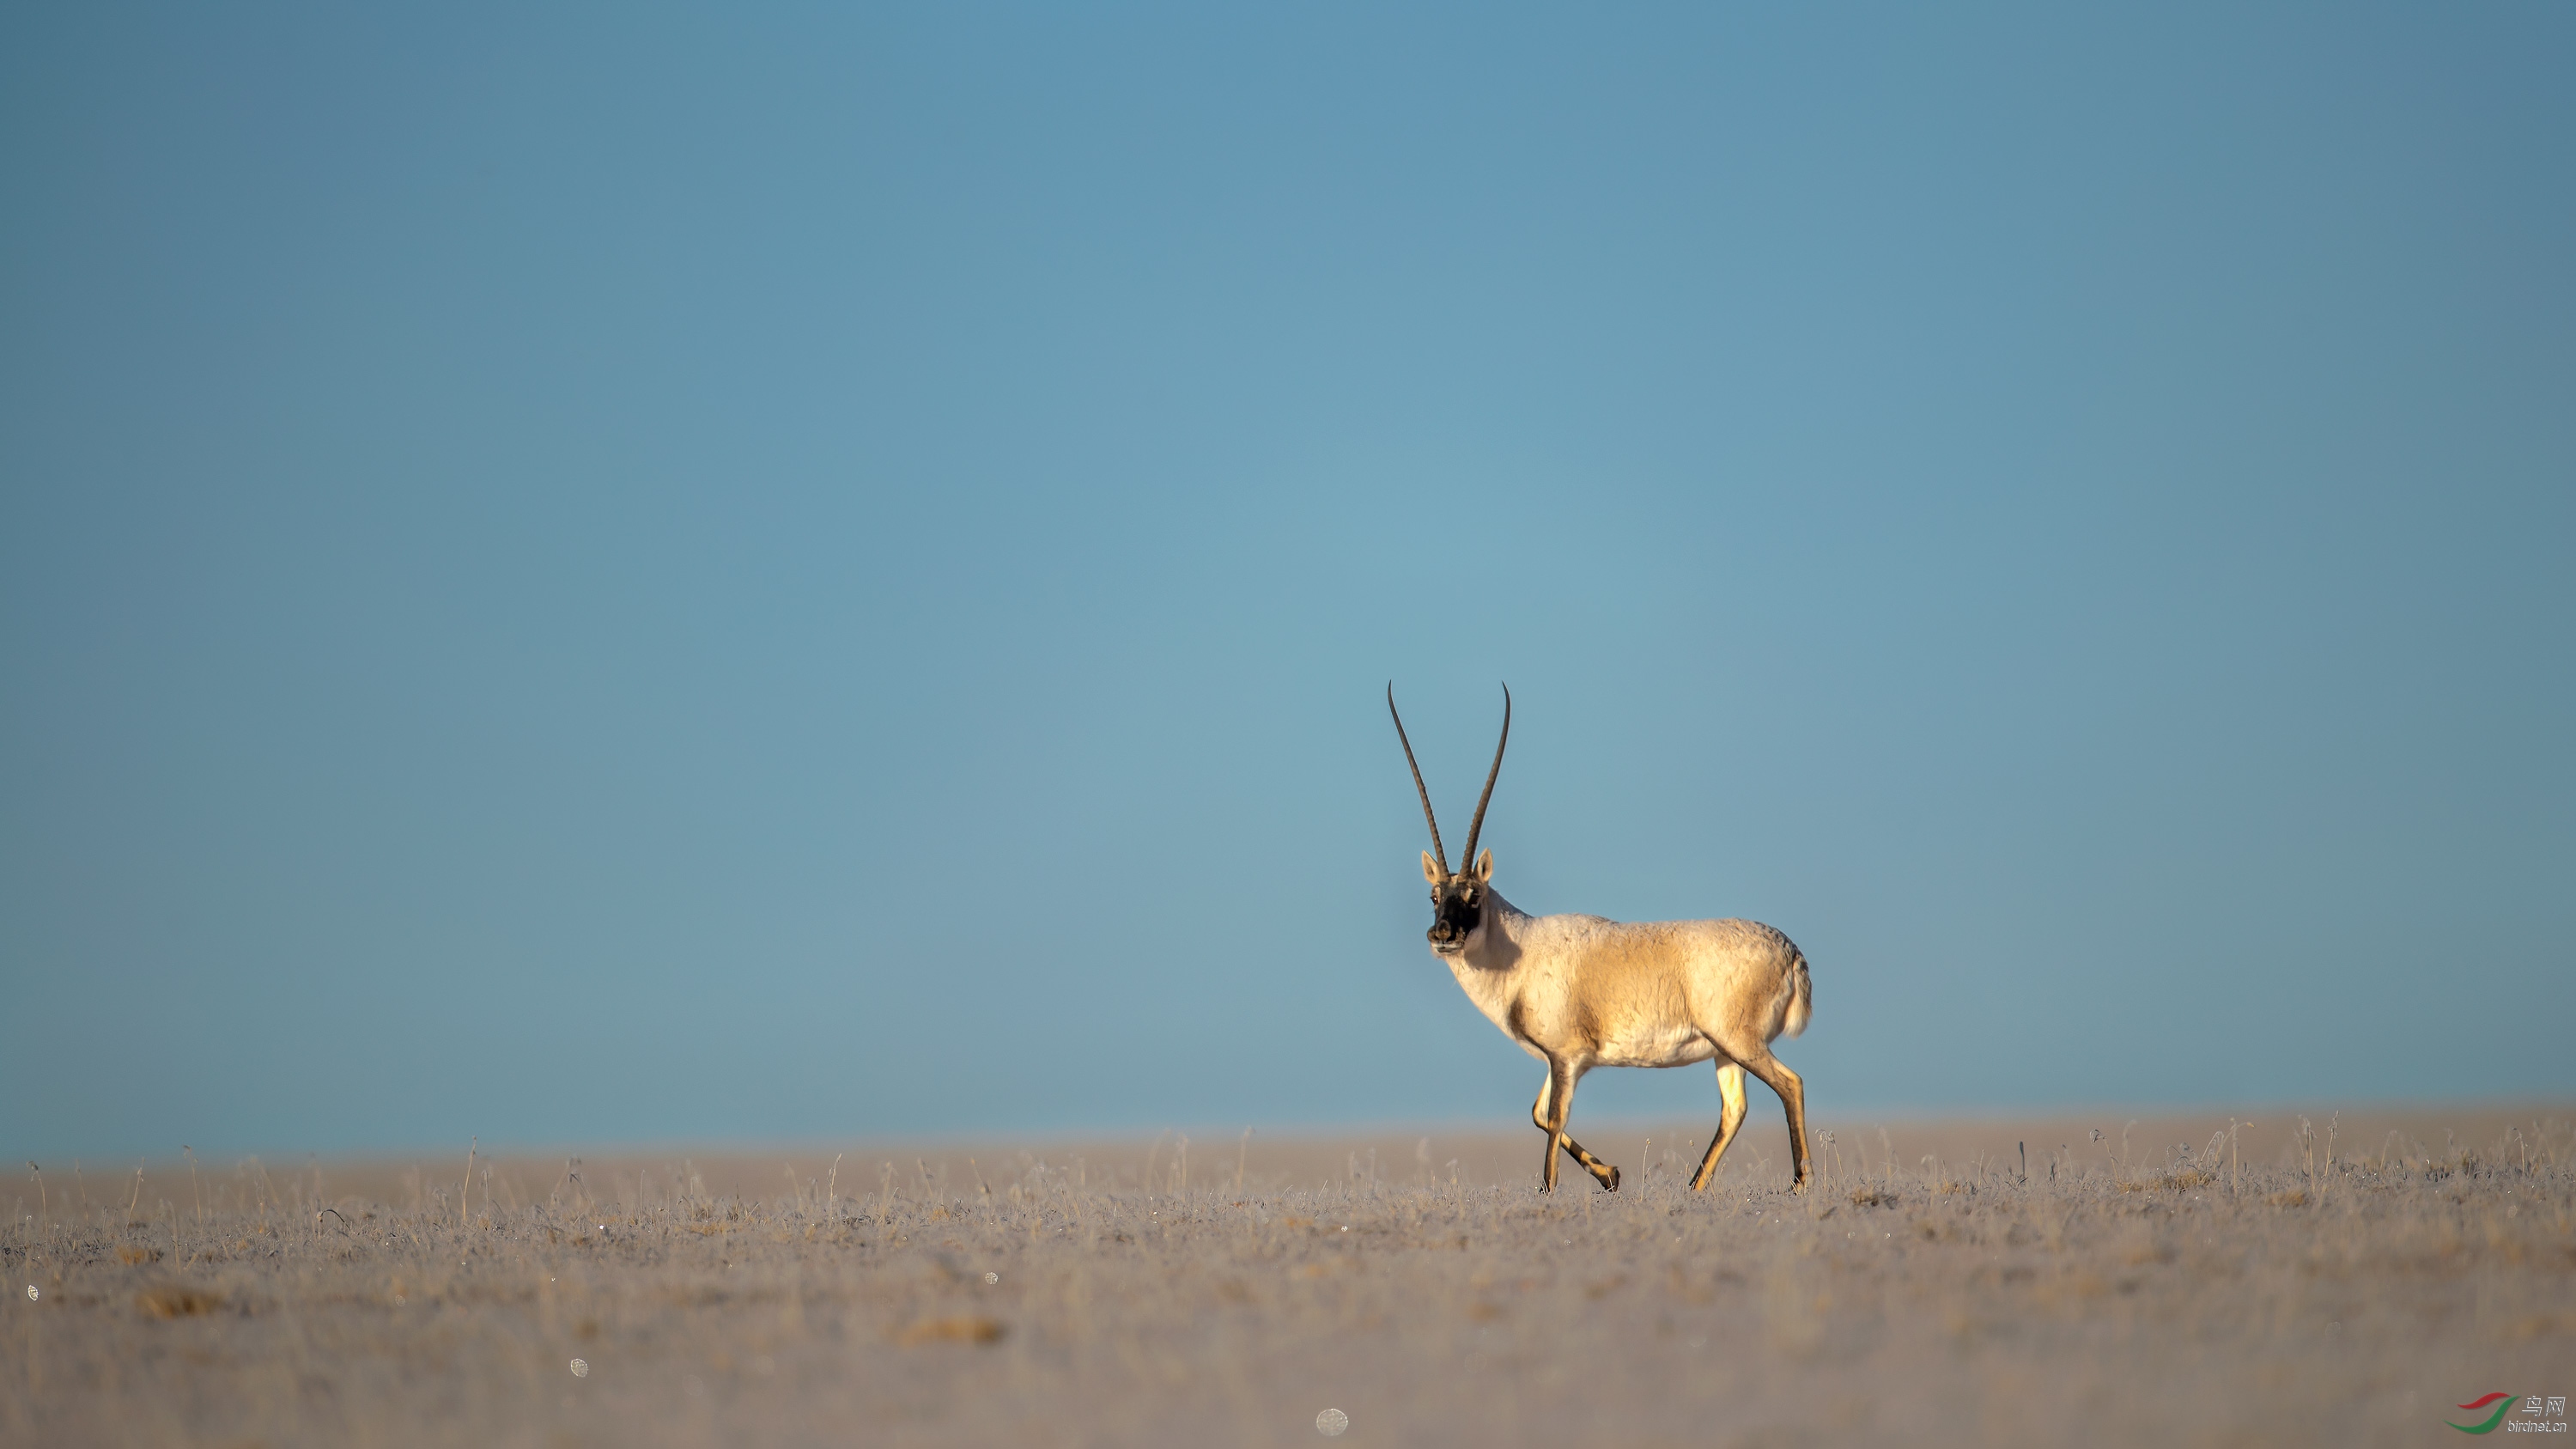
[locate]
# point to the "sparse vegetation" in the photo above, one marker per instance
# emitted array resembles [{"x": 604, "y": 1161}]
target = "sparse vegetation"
[{"x": 1116, "y": 1296}]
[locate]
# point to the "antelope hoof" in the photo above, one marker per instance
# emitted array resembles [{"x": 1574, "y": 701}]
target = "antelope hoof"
[{"x": 1611, "y": 1183}]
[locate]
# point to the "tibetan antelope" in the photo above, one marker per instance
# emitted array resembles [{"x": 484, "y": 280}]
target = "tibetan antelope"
[{"x": 1579, "y": 992}]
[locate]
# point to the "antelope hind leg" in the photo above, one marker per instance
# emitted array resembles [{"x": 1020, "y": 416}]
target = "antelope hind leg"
[
  {"x": 1776, "y": 1075},
  {"x": 1730, "y": 1091}
]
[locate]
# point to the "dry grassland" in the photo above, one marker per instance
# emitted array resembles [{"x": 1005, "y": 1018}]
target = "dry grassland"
[{"x": 2153, "y": 1288}]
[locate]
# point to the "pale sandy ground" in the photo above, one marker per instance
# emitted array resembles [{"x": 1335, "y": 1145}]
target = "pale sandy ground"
[{"x": 1087, "y": 1294}]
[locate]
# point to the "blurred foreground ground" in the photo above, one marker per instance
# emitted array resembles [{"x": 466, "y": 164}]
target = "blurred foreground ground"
[{"x": 2146, "y": 1288}]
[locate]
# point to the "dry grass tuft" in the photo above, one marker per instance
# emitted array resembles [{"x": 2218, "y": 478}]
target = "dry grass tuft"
[
  {"x": 1869, "y": 1197},
  {"x": 2293, "y": 1197},
  {"x": 131, "y": 1254},
  {"x": 2538, "y": 1325},
  {"x": 964, "y": 1328},
  {"x": 2183, "y": 1181},
  {"x": 177, "y": 1300}
]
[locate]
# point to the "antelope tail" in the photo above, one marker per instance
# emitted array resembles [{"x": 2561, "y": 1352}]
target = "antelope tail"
[{"x": 1801, "y": 995}]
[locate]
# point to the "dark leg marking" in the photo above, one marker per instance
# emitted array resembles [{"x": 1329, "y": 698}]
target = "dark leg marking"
[
  {"x": 1776, "y": 1075},
  {"x": 1549, "y": 1113}
]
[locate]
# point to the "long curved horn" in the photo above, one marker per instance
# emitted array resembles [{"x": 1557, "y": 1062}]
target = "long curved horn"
[
  {"x": 1436, "y": 852},
  {"x": 1477, "y": 825}
]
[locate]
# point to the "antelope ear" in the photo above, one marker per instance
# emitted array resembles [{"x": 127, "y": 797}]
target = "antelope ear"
[
  {"x": 1430, "y": 871},
  {"x": 1485, "y": 868}
]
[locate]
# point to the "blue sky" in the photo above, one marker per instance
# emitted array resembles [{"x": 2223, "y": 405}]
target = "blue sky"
[{"x": 613, "y": 576}]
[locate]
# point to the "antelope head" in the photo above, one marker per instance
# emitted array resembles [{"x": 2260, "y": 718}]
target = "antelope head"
[{"x": 1457, "y": 897}]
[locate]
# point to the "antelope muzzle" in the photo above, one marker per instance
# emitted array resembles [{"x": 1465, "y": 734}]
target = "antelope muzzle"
[{"x": 1454, "y": 918}]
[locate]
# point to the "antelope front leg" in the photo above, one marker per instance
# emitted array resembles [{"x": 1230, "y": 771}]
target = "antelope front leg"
[
  {"x": 1730, "y": 1091},
  {"x": 1550, "y": 1112}
]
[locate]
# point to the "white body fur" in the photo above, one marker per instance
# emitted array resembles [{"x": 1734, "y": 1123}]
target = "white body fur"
[{"x": 1579, "y": 992}]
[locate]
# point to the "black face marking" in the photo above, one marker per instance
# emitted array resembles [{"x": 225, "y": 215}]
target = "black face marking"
[{"x": 1456, "y": 908}]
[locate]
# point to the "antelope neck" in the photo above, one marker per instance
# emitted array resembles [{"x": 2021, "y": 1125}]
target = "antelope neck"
[{"x": 1495, "y": 944}]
